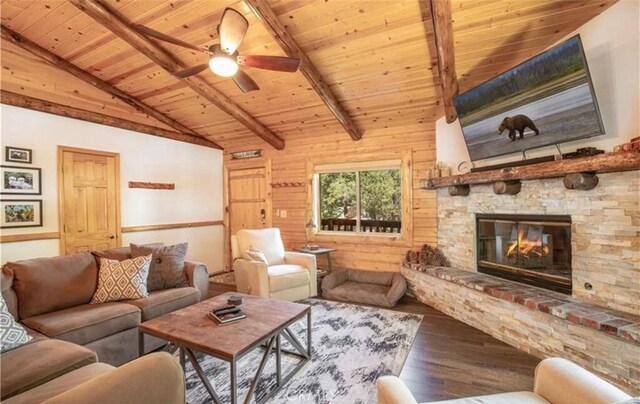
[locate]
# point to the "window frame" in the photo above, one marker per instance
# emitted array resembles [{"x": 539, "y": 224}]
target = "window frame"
[{"x": 364, "y": 162}]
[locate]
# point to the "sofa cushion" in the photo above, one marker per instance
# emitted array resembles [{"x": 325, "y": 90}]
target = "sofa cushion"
[
  {"x": 86, "y": 323},
  {"x": 38, "y": 362},
  {"x": 167, "y": 265},
  {"x": 287, "y": 276},
  {"x": 120, "y": 280},
  {"x": 268, "y": 241},
  {"x": 44, "y": 285},
  {"x": 165, "y": 301},
  {"x": 12, "y": 333},
  {"x": 61, "y": 384}
]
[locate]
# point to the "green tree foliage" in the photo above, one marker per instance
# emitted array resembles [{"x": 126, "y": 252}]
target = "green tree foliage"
[
  {"x": 338, "y": 195},
  {"x": 380, "y": 195}
]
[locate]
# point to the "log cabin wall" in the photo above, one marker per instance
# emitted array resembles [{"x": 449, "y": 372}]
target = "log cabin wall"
[{"x": 289, "y": 166}]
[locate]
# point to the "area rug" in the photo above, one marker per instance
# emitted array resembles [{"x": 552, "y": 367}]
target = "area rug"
[
  {"x": 351, "y": 347},
  {"x": 228, "y": 278}
]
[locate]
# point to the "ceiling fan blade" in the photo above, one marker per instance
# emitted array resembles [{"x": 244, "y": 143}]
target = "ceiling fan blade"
[
  {"x": 244, "y": 82},
  {"x": 191, "y": 71},
  {"x": 232, "y": 28},
  {"x": 164, "y": 37},
  {"x": 277, "y": 63}
]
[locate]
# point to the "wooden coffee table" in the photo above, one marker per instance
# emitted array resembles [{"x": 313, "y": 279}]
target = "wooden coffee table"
[{"x": 189, "y": 330}]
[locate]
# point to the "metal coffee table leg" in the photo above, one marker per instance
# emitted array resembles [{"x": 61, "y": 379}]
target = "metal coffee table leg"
[
  {"x": 202, "y": 375},
  {"x": 234, "y": 384}
]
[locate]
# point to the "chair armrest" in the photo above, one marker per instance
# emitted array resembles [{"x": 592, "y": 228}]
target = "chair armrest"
[
  {"x": 252, "y": 277},
  {"x": 198, "y": 277},
  {"x": 308, "y": 261},
  {"x": 154, "y": 378},
  {"x": 392, "y": 390},
  {"x": 561, "y": 381}
]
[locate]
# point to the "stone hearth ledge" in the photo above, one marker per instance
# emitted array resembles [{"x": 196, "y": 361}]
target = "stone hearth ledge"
[{"x": 615, "y": 323}]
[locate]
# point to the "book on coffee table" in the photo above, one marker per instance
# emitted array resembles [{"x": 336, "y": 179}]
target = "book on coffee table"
[{"x": 227, "y": 318}]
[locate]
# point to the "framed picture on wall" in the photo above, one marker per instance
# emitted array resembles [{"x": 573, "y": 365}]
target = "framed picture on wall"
[
  {"x": 18, "y": 155},
  {"x": 20, "y": 213},
  {"x": 20, "y": 180}
]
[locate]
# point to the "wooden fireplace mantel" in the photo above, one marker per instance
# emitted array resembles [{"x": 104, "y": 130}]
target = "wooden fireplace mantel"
[{"x": 602, "y": 163}]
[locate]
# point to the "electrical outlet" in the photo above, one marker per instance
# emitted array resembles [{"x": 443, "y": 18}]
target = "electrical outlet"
[{"x": 283, "y": 213}]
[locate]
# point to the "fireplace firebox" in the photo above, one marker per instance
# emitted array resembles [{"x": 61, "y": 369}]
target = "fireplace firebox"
[{"x": 531, "y": 249}]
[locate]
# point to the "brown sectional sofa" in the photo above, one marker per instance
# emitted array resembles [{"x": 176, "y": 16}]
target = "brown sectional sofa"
[{"x": 50, "y": 297}]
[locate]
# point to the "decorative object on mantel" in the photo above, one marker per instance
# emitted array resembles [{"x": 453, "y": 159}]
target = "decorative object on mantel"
[
  {"x": 441, "y": 169},
  {"x": 583, "y": 152},
  {"x": 248, "y": 154},
  {"x": 464, "y": 167},
  {"x": 602, "y": 163},
  {"x": 18, "y": 155},
  {"x": 20, "y": 213},
  {"x": 287, "y": 184},
  {"x": 20, "y": 180},
  {"x": 427, "y": 255},
  {"x": 152, "y": 185},
  {"x": 459, "y": 190},
  {"x": 510, "y": 187},
  {"x": 581, "y": 181},
  {"x": 632, "y": 145}
]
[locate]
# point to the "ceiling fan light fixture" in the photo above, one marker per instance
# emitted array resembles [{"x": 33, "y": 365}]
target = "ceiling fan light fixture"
[{"x": 223, "y": 65}]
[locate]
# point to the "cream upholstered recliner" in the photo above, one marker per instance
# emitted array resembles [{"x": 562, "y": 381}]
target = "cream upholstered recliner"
[
  {"x": 287, "y": 276},
  {"x": 556, "y": 381}
]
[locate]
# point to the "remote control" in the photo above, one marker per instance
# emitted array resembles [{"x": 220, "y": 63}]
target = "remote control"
[
  {"x": 222, "y": 307},
  {"x": 230, "y": 310}
]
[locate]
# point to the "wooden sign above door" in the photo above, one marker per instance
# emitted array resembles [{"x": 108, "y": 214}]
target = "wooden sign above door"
[
  {"x": 246, "y": 154},
  {"x": 152, "y": 185}
]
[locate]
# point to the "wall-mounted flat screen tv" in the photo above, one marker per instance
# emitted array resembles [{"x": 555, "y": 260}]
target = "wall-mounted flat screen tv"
[{"x": 548, "y": 99}]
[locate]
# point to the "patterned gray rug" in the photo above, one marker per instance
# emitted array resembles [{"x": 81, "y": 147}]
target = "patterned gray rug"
[{"x": 351, "y": 347}]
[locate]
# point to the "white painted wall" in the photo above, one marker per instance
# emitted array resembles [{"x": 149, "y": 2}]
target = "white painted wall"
[
  {"x": 612, "y": 46},
  {"x": 196, "y": 171}
]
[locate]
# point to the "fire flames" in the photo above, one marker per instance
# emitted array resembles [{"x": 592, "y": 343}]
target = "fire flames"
[{"x": 527, "y": 248}]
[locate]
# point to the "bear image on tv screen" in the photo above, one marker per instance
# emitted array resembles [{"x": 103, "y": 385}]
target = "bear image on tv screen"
[{"x": 517, "y": 123}]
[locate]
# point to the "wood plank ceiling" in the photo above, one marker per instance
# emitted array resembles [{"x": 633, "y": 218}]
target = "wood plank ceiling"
[{"x": 377, "y": 57}]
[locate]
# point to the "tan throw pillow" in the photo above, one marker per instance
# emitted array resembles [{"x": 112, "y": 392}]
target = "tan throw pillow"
[
  {"x": 122, "y": 280},
  {"x": 167, "y": 265},
  {"x": 254, "y": 254}
]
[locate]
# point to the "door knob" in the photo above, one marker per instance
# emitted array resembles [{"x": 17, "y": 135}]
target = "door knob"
[{"x": 112, "y": 237}]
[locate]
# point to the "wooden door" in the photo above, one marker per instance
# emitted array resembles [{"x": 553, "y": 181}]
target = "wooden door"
[
  {"x": 248, "y": 199},
  {"x": 89, "y": 203}
]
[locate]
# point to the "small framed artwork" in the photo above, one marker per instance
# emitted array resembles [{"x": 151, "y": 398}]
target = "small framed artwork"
[
  {"x": 20, "y": 213},
  {"x": 20, "y": 180},
  {"x": 17, "y": 154}
]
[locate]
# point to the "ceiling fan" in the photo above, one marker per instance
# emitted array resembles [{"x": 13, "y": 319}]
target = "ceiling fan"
[{"x": 225, "y": 59}]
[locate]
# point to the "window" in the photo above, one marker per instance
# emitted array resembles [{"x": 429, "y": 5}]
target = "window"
[{"x": 364, "y": 198}]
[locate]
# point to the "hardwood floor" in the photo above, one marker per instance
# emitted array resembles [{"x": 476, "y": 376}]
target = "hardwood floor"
[{"x": 450, "y": 359}]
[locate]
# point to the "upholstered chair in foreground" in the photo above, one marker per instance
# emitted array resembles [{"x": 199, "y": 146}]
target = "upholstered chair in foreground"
[
  {"x": 263, "y": 268},
  {"x": 556, "y": 381}
]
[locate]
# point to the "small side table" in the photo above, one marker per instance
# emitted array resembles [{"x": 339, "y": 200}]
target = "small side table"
[{"x": 317, "y": 252}]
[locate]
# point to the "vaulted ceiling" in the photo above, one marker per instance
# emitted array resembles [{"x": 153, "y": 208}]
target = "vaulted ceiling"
[{"x": 377, "y": 58}]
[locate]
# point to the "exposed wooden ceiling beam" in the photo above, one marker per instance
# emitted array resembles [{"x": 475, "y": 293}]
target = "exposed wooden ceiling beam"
[
  {"x": 36, "y": 104},
  {"x": 64, "y": 65},
  {"x": 270, "y": 21},
  {"x": 123, "y": 29},
  {"x": 443, "y": 30}
]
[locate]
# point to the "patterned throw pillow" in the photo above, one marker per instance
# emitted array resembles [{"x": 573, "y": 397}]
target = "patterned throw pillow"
[
  {"x": 254, "y": 254},
  {"x": 121, "y": 280},
  {"x": 167, "y": 265},
  {"x": 12, "y": 334}
]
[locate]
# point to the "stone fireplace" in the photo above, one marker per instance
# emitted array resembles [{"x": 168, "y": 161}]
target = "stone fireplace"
[
  {"x": 592, "y": 240},
  {"x": 531, "y": 249}
]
